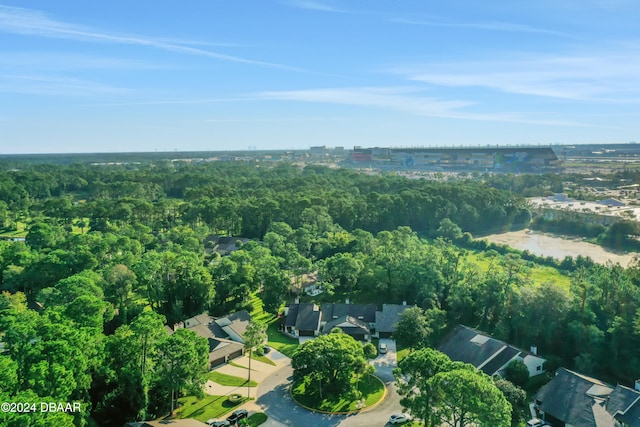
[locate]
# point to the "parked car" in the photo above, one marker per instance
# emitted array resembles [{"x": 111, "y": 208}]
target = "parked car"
[
  {"x": 537, "y": 422},
  {"x": 218, "y": 423},
  {"x": 237, "y": 415},
  {"x": 382, "y": 348},
  {"x": 399, "y": 418}
]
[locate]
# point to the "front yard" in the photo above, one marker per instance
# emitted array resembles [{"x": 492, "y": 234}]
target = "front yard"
[{"x": 206, "y": 408}]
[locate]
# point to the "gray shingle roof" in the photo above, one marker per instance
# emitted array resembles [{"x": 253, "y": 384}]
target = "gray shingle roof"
[
  {"x": 459, "y": 345},
  {"x": 304, "y": 317},
  {"x": 387, "y": 319},
  {"x": 570, "y": 397},
  {"x": 624, "y": 405},
  {"x": 364, "y": 312},
  {"x": 355, "y": 326}
]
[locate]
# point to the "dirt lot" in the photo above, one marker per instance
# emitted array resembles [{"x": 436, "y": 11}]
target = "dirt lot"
[{"x": 546, "y": 244}]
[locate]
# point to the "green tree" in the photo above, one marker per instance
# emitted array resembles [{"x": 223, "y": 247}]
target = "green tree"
[
  {"x": 370, "y": 351},
  {"x": 449, "y": 230},
  {"x": 327, "y": 364},
  {"x": 412, "y": 378},
  {"x": 517, "y": 372},
  {"x": 467, "y": 397},
  {"x": 412, "y": 330},
  {"x": 182, "y": 363},
  {"x": 254, "y": 336},
  {"x": 516, "y": 397}
]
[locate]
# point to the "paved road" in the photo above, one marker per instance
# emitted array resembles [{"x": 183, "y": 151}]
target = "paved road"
[{"x": 276, "y": 402}]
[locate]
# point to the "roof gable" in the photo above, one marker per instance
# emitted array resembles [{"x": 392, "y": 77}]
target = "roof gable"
[
  {"x": 570, "y": 397},
  {"x": 347, "y": 322}
]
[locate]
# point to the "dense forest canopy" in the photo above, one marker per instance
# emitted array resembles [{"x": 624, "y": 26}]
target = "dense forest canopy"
[{"x": 113, "y": 253}]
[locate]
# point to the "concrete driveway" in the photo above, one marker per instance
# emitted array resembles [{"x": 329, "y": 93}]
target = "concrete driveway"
[{"x": 386, "y": 363}]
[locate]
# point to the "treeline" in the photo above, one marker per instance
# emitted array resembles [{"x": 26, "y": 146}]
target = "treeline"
[
  {"x": 621, "y": 235},
  {"x": 243, "y": 199}
]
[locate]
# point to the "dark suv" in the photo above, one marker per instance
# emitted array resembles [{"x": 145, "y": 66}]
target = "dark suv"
[{"x": 237, "y": 415}]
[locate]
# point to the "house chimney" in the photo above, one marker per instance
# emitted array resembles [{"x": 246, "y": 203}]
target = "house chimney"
[
  {"x": 637, "y": 385},
  {"x": 534, "y": 349},
  {"x": 346, "y": 301}
]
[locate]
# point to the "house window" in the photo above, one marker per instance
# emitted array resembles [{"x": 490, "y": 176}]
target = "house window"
[{"x": 539, "y": 368}]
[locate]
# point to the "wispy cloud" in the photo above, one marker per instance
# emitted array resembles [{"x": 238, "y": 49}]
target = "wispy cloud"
[
  {"x": 604, "y": 78},
  {"x": 54, "y": 62},
  {"x": 35, "y": 23},
  {"x": 313, "y": 5},
  {"x": 407, "y": 100},
  {"x": 46, "y": 85},
  {"x": 487, "y": 26},
  {"x": 274, "y": 119}
]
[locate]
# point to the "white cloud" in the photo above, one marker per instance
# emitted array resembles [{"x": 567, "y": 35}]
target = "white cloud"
[
  {"x": 407, "y": 100},
  {"x": 488, "y": 26},
  {"x": 608, "y": 77},
  {"x": 54, "y": 86},
  {"x": 31, "y": 22},
  {"x": 313, "y": 5}
]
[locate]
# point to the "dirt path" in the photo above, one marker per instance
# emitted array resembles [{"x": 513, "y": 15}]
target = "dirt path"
[{"x": 546, "y": 244}]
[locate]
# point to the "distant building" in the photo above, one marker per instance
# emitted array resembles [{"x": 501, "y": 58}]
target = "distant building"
[
  {"x": 498, "y": 159},
  {"x": 224, "y": 245}
]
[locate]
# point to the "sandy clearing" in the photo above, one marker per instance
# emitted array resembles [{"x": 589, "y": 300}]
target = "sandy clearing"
[{"x": 546, "y": 244}]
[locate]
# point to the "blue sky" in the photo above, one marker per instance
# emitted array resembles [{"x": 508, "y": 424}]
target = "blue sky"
[{"x": 118, "y": 76}]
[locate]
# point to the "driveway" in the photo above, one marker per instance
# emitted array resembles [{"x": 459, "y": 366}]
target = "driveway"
[{"x": 386, "y": 363}]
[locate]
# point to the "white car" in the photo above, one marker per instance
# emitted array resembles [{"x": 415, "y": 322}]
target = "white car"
[
  {"x": 382, "y": 348},
  {"x": 536, "y": 422},
  {"x": 399, "y": 418}
]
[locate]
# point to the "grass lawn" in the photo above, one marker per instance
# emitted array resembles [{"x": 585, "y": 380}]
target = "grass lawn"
[
  {"x": 372, "y": 392},
  {"x": 263, "y": 359},
  {"x": 401, "y": 352},
  {"x": 281, "y": 342},
  {"x": 228, "y": 380},
  {"x": 539, "y": 273},
  {"x": 10, "y": 234},
  {"x": 277, "y": 340},
  {"x": 257, "y": 311},
  {"x": 257, "y": 419},
  {"x": 206, "y": 408}
]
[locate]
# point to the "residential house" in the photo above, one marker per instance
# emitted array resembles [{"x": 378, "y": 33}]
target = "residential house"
[
  {"x": 302, "y": 320},
  {"x": 356, "y": 320},
  {"x": 571, "y": 399},
  {"x": 224, "y": 245},
  {"x": 307, "y": 283},
  {"x": 224, "y": 335},
  {"x": 235, "y": 324},
  {"x": 362, "y": 321},
  {"x": 388, "y": 318},
  {"x": 486, "y": 353}
]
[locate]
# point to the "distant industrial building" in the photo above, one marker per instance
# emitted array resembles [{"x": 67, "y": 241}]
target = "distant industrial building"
[{"x": 494, "y": 159}]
